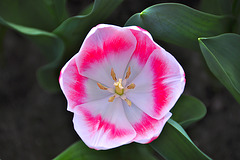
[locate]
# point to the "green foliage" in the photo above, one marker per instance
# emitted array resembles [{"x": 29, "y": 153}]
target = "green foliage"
[
  {"x": 179, "y": 24},
  {"x": 73, "y": 31},
  {"x": 217, "y": 7},
  {"x": 236, "y": 13},
  {"x": 41, "y": 14},
  {"x": 46, "y": 22},
  {"x": 51, "y": 45},
  {"x": 174, "y": 143},
  {"x": 61, "y": 44},
  {"x": 188, "y": 110},
  {"x": 222, "y": 54},
  {"x": 79, "y": 151}
]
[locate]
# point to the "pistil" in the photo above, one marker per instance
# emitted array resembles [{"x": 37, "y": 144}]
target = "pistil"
[{"x": 119, "y": 89}]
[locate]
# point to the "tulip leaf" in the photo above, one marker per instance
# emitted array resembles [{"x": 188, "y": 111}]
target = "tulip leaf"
[
  {"x": 188, "y": 110},
  {"x": 41, "y": 14},
  {"x": 217, "y": 7},
  {"x": 236, "y": 13},
  {"x": 223, "y": 59},
  {"x": 79, "y": 151},
  {"x": 179, "y": 24},
  {"x": 74, "y": 29},
  {"x": 174, "y": 143},
  {"x": 63, "y": 42},
  {"x": 52, "y": 47}
]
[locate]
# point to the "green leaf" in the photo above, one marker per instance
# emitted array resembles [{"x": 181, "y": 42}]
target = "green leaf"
[
  {"x": 222, "y": 56},
  {"x": 41, "y": 14},
  {"x": 179, "y": 24},
  {"x": 72, "y": 32},
  {"x": 65, "y": 40},
  {"x": 174, "y": 143},
  {"x": 74, "y": 29},
  {"x": 52, "y": 47},
  {"x": 188, "y": 110},
  {"x": 79, "y": 151},
  {"x": 217, "y": 7},
  {"x": 236, "y": 13}
]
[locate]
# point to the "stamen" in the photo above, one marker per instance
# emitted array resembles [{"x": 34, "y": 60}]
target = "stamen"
[
  {"x": 113, "y": 75},
  {"x": 128, "y": 73},
  {"x": 101, "y": 86},
  {"x": 120, "y": 89},
  {"x": 131, "y": 86},
  {"x": 128, "y": 102},
  {"x": 111, "y": 99}
]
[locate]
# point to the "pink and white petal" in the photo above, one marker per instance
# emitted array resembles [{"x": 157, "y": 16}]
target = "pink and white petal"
[
  {"x": 105, "y": 47},
  {"x": 159, "y": 85},
  {"x": 72, "y": 84},
  {"x": 77, "y": 88},
  {"x": 144, "y": 48},
  {"x": 146, "y": 127},
  {"x": 102, "y": 124}
]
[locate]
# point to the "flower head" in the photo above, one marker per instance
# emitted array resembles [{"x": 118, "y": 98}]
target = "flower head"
[{"x": 120, "y": 86}]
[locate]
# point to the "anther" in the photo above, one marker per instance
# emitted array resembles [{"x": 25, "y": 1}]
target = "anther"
[
  {"x": 111, "y": 99},
  {"x": 128, "y": 102},
  {"x": 113, "y": 75},
  {"x": 131, "y": 86},
  {"x": 101, "y": 86},
  {"x": 128, "y": 73}
]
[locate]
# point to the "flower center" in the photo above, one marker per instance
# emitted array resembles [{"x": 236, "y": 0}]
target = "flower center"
[{"x": 119, "y": 90}]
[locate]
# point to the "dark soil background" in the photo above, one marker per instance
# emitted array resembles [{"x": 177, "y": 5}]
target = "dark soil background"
[{"x": 35, "y": 124}]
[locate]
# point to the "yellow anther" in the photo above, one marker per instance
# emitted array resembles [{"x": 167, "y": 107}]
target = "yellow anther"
[
  {"x": 113, "y": 75},
  {"x": 131, "y": 86},
  {"x": 111, "y": 99},
  {"x": 128, "y": 73},
  {"x": 101, "y": 86},
  {"x": 119, "y": 89},
  {"x": 128, "y": 102}
]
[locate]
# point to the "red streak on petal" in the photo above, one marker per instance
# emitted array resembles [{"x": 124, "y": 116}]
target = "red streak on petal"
[
  {"x": 90, "y": 56},
  {"x": 73, "y": 85},
  {"x": 161, "y": 91},
  {"x": 97, "y": 123},
  {"x": 97, "y": 52},
  {"x": 145, "y": 46},
  {"x": 116, "y": 45},
  {"x": 146, "y": 124}
]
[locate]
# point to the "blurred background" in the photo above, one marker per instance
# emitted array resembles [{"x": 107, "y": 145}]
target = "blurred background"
[{"x": 34, "y": 124}]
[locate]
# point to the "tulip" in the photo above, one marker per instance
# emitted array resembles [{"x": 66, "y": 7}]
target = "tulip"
[{"x": 120, "y": 86}]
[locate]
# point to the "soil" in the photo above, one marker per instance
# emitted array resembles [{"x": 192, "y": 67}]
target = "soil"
[{"x": 35, "y": 124}]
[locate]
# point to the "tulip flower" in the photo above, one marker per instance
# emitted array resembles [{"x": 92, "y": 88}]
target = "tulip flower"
[{"x": 120, "y": 86}]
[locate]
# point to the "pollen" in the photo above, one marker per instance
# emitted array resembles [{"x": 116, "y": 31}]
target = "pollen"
[
  {"x": 131, "y": 86},
  {"x": 119, "y": 89},
  {"x": 113, "y": 75},
  {"x": 128, "y": 102},
  {"x": 111, "y": 99},
  {"x": 128, "y": 73},
  {"x": 101, "y": 86}
]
